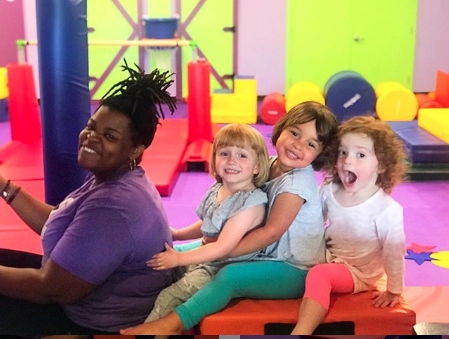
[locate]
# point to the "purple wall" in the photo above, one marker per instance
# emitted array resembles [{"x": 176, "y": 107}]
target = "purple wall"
[
  {"x": 261, "y": 43},
  {"x": 432, "y": 43},
  {"x": 11, "y": 18}
]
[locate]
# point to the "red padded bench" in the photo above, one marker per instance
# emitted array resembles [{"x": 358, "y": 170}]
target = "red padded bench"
[{"x": 348, "y": 314}]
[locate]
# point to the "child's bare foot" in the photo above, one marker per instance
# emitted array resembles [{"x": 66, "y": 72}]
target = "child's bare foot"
[{"x": 169, "y": 325}]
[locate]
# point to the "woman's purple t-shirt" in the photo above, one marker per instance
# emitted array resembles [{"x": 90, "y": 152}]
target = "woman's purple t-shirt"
[{"x": 104, "y": 235}]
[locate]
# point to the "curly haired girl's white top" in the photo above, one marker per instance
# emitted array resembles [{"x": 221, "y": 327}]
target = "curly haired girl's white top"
[{"x": 368, "y": 238}]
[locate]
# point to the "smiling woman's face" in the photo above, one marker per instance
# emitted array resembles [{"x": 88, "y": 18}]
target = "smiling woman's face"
[{"x": 105, "y": 144}]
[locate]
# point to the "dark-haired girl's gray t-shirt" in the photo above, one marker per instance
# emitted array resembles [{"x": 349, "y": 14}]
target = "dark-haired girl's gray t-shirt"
[{"x": 302, "y": 245}]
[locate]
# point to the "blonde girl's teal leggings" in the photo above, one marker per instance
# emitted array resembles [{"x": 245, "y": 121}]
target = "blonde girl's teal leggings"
[{"x": 255, "y": 279}]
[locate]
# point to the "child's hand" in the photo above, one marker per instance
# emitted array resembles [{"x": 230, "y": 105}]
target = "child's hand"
[
  {"x": 384, "y": 299},
  {"x": 174, "y": 233},
  {"x": 164, "y": 260}
]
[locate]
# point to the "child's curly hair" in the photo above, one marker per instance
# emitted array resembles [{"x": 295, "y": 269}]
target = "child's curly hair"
[{"x": 388, "y": 148}]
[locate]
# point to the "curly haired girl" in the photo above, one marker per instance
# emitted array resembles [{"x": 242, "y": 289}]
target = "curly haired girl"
[{"x": 364, "y": 236}]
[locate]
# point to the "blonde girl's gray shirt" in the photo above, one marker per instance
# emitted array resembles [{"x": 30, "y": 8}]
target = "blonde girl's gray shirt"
[
  {"x": 215, "y": 214},
  {"x": 302, "y": 245}
]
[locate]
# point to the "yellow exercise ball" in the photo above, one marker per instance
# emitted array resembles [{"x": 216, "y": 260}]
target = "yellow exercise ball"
[{"x": 303, "y": 91}]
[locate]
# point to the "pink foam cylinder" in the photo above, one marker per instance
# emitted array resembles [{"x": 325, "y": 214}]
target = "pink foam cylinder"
[
  {"x": 199, "y": 101},
  {"x": 273, "y": 108}
]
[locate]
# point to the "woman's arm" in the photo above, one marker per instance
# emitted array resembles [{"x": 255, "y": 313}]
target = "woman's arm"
[
  {"x": 50, "y": 284},
  {"x": 284, "y": 210},
  {"x": 233, "y": 231},
  {"x": 32, "y": 211}
]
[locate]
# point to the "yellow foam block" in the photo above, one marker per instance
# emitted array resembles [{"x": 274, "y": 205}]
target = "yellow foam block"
[
  {"x": 4, "y": 92},
  {"x": 303, "y": 91},
  {"x": 237, "y": 107},
  {"x": 245, "y": 86},
  {"x": 233, "y": 108},
  {"x": 395, "y": 102},
  {"x": 435, "y": 121}
]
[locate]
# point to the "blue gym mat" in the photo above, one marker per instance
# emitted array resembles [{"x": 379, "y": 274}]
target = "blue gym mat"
[{"x": 422, "y": 146}]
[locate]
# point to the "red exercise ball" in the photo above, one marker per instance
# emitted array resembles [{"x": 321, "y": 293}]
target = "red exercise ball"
[{"x": 273, "y": 108}]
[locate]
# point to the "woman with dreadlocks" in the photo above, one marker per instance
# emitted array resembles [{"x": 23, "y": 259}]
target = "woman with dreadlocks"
[{"x": 93, "y": 277}]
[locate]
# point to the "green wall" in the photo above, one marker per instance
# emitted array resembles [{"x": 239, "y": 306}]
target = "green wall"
[
  {"x": 206, "y": 29},
  {"x": 108, "y": 23},
  {"x": 375, "y": 38}
]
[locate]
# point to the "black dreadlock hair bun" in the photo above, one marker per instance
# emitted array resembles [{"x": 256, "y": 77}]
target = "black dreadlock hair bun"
[{"x": 140, "y": 97}]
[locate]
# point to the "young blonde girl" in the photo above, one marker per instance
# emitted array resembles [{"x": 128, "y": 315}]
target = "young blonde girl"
[
  {"x": 230, "y": 208},
  {"x": 365, "y": 233},
  {"x": 292, "y": 237}
]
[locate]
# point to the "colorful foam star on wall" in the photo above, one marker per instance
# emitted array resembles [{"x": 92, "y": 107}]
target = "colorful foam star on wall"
[
  {"x": 418, "y": 257},
  {"x": 420, "y": 248},
  {"x": 441, "y": 258}
]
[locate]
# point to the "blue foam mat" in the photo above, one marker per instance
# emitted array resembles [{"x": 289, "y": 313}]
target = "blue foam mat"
[{"x": 422, "y": 146}]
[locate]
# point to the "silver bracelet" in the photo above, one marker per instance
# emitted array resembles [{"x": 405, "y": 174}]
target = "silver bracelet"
[{"x": 5, "y": 191}]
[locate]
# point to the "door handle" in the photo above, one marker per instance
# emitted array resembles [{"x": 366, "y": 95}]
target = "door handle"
[{"x": 229, "y": 29}]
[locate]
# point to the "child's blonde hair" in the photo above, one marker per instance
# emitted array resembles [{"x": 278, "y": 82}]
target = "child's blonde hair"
[
  {"x": 388, "y": 148},
  {"x": 243, "y": 136}
]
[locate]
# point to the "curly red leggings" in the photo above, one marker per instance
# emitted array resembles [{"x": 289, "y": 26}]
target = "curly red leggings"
[{"x": 324, "y": 279}]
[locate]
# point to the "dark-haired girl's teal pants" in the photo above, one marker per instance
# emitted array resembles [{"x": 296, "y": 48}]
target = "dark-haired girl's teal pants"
[{"x": 256, "y": 280}]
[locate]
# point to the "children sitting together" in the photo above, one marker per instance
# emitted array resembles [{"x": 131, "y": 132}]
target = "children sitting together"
[{"x": 343, "y": 237}]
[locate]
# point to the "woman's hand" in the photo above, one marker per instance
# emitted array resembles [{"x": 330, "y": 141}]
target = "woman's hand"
[
  {"x": 385, "y": 299},
  {"x": 164, "y": 260},
  {"x": 32, "y": 211}
]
